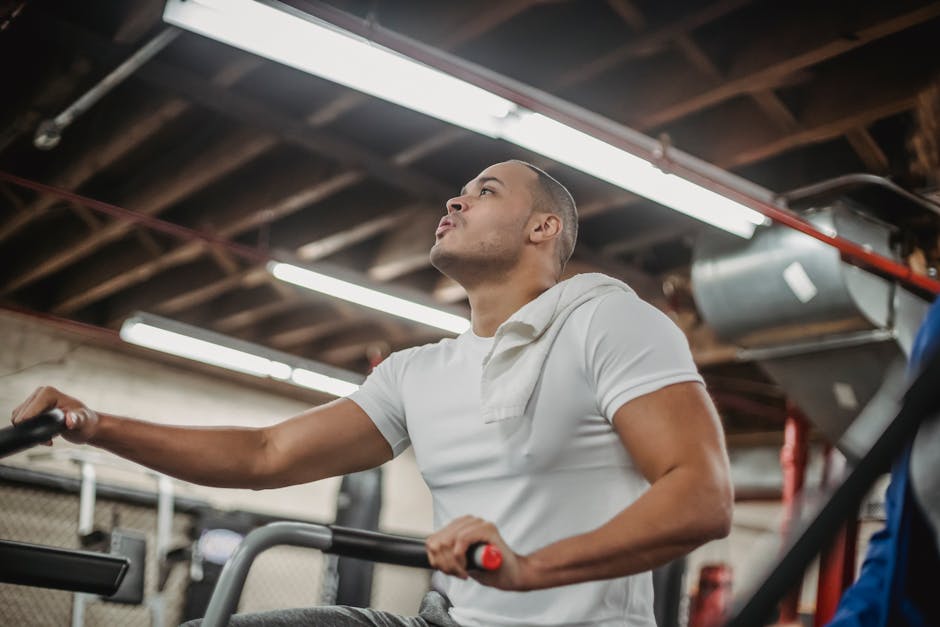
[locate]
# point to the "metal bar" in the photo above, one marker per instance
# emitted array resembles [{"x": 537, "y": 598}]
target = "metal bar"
[
  {"x": 849, "y": 181},
  {"x": 832, "y": 342},
  {"x": 232, "y": 580},
  {"x": 86, "y": 524},
  {"x": 49, "y": 132}
]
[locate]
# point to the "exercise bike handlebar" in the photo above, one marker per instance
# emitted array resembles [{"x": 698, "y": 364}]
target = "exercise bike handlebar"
[
  {"x": 370, "y": 545},
  {"x": 31, "y": 432}
]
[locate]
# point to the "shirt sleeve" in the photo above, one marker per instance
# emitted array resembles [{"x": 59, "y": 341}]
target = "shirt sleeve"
[
  {"x": 633, "y": 349},
  {"x": 380, "y": 396}
]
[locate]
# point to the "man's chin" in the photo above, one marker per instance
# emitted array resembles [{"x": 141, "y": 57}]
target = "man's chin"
[{"x": 446, "y": 262}]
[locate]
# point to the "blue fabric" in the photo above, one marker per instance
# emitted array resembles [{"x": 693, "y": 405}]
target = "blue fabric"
[{"x": 897, "y": 585}]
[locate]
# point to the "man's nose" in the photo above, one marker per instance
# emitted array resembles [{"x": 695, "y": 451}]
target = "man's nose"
[{"x": 454, "y": 205}]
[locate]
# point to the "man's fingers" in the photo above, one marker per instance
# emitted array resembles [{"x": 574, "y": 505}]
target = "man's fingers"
[
  {"x": 43, "y": 399},
  {"x": 21, "y": 408},
  {"x": 440, "y": 547}
]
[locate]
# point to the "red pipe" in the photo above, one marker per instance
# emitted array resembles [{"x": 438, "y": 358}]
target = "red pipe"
[
  {"x": 712, "y": 600},
  {"x": 156, "y": 224},
  {"x": 793, "y": 458},
  {"x": 852, "y": 253},
  {"x": 836, "y": 562}
]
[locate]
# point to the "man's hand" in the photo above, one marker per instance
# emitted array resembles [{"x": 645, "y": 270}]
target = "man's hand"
[
  {"x": 447, "y": 551},
  {"x": 80, "y": 421}
]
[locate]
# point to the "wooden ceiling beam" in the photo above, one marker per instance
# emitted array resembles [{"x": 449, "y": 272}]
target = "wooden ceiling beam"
[
  {"x": 868, "y": 150},
  {"x": 655, "y": 38},
  {"x": 139, "y": 18},
  {"x": 775, "y": 56},
  {"x": 298, "y": 337},
  {"x": 251, "y": 316}
]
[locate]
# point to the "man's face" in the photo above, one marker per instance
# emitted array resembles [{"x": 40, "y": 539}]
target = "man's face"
[{"x": 484, "y": 230}]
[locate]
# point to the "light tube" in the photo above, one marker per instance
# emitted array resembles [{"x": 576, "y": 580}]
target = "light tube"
[
  {"x": 325, "y": 383},
  {"x": 367, "y": 297},
  {"x": 618, "y": 167},
  {"x": 199, "y": 350},
  {"x": 304, "y": 42},
  {"x": 152, "y": 332},
  {"x": 319, "y": 48}
]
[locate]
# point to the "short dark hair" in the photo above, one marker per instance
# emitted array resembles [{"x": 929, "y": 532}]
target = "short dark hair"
[{"x": 550, "y": 196}]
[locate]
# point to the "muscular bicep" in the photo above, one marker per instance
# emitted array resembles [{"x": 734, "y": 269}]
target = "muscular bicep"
[
  {"x": 326, "y": 441},
  {"x": 674, "y": 427}
]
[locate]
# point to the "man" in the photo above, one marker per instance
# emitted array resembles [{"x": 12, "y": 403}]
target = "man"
[{"x": 569, "y": 427}]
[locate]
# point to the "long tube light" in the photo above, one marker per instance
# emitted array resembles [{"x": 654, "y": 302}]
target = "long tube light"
[
  {"x": 368, "y": 297},
  {"x": 280, "y": 33},
  {"x": 183, "y": 340}
]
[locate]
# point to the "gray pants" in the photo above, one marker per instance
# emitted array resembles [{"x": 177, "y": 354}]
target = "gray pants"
[{"x": 433, "y": 613}]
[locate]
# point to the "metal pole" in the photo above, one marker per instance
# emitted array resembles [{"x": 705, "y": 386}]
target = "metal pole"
[
  {"x": 86, "y": 524},
  {"x": 164, "y": 531},
  {"x": 229, "y": 587},
  {"x": 49, "y": 132}
]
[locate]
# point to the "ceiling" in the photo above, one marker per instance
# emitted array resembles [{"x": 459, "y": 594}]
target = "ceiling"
[{"x": 237, "y": 149}]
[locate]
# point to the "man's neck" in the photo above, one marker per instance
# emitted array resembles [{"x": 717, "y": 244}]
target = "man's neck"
[{"x": 491, "y": 304}]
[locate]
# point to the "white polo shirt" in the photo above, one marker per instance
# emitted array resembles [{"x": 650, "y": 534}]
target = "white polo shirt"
[{"x": 559, "y": 470}]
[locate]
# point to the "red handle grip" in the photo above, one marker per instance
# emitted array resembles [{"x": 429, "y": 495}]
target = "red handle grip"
[{"x": 483, "y": 556}]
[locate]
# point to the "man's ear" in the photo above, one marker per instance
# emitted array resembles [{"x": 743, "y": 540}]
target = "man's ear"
[{"x": 547, "y": 226}]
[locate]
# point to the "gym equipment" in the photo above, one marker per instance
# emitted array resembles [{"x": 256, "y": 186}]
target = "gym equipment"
[{"x": 46, "y": 566}]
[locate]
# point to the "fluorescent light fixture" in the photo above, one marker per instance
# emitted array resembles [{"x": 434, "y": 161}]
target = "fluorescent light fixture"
[
  {"x": 280, "y": 33},
  {"x": 618, "y": 167},
  {"x": 325, "y": 383},
  {"x": 367, "y": 297},
  {"x": 183, "y": 340},
  {"x": 319, "y": 48}
]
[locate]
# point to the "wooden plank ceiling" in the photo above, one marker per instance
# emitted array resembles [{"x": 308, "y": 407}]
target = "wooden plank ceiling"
[{"x": 213, "y": 139}]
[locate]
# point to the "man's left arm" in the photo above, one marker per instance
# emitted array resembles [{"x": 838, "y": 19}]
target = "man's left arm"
[{"x": 675, "y": 439}]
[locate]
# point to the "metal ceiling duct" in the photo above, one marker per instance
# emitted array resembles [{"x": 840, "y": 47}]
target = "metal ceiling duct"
[{"x": 827, "y": 332}]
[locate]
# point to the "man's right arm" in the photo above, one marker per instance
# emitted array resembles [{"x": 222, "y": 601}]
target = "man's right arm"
[{"x": 333, "y": 439}]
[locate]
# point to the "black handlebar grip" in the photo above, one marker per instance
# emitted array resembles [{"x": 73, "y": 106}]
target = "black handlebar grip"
[{"x": 31, "y": 432}]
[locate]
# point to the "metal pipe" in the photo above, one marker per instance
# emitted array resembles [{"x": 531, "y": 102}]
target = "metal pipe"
[
  {"x": 229, "y": 587},
  {"x": 849, "y": 181},
  {"x": 667, "y": 158},
  {"x": 156, "y": 224},
  {"x": 86, "y": 524},
  {"x": 49, "y": 132}
]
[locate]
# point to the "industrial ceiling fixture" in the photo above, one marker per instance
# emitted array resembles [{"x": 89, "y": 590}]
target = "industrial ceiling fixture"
[
  {"x": 283, "y": 34},
  {"x": 208, "y": 347},
  {"x": 367, "y": 297}
]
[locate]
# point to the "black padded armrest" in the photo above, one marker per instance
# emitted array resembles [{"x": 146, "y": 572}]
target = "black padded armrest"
[{"x": 63, "y": 569}]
